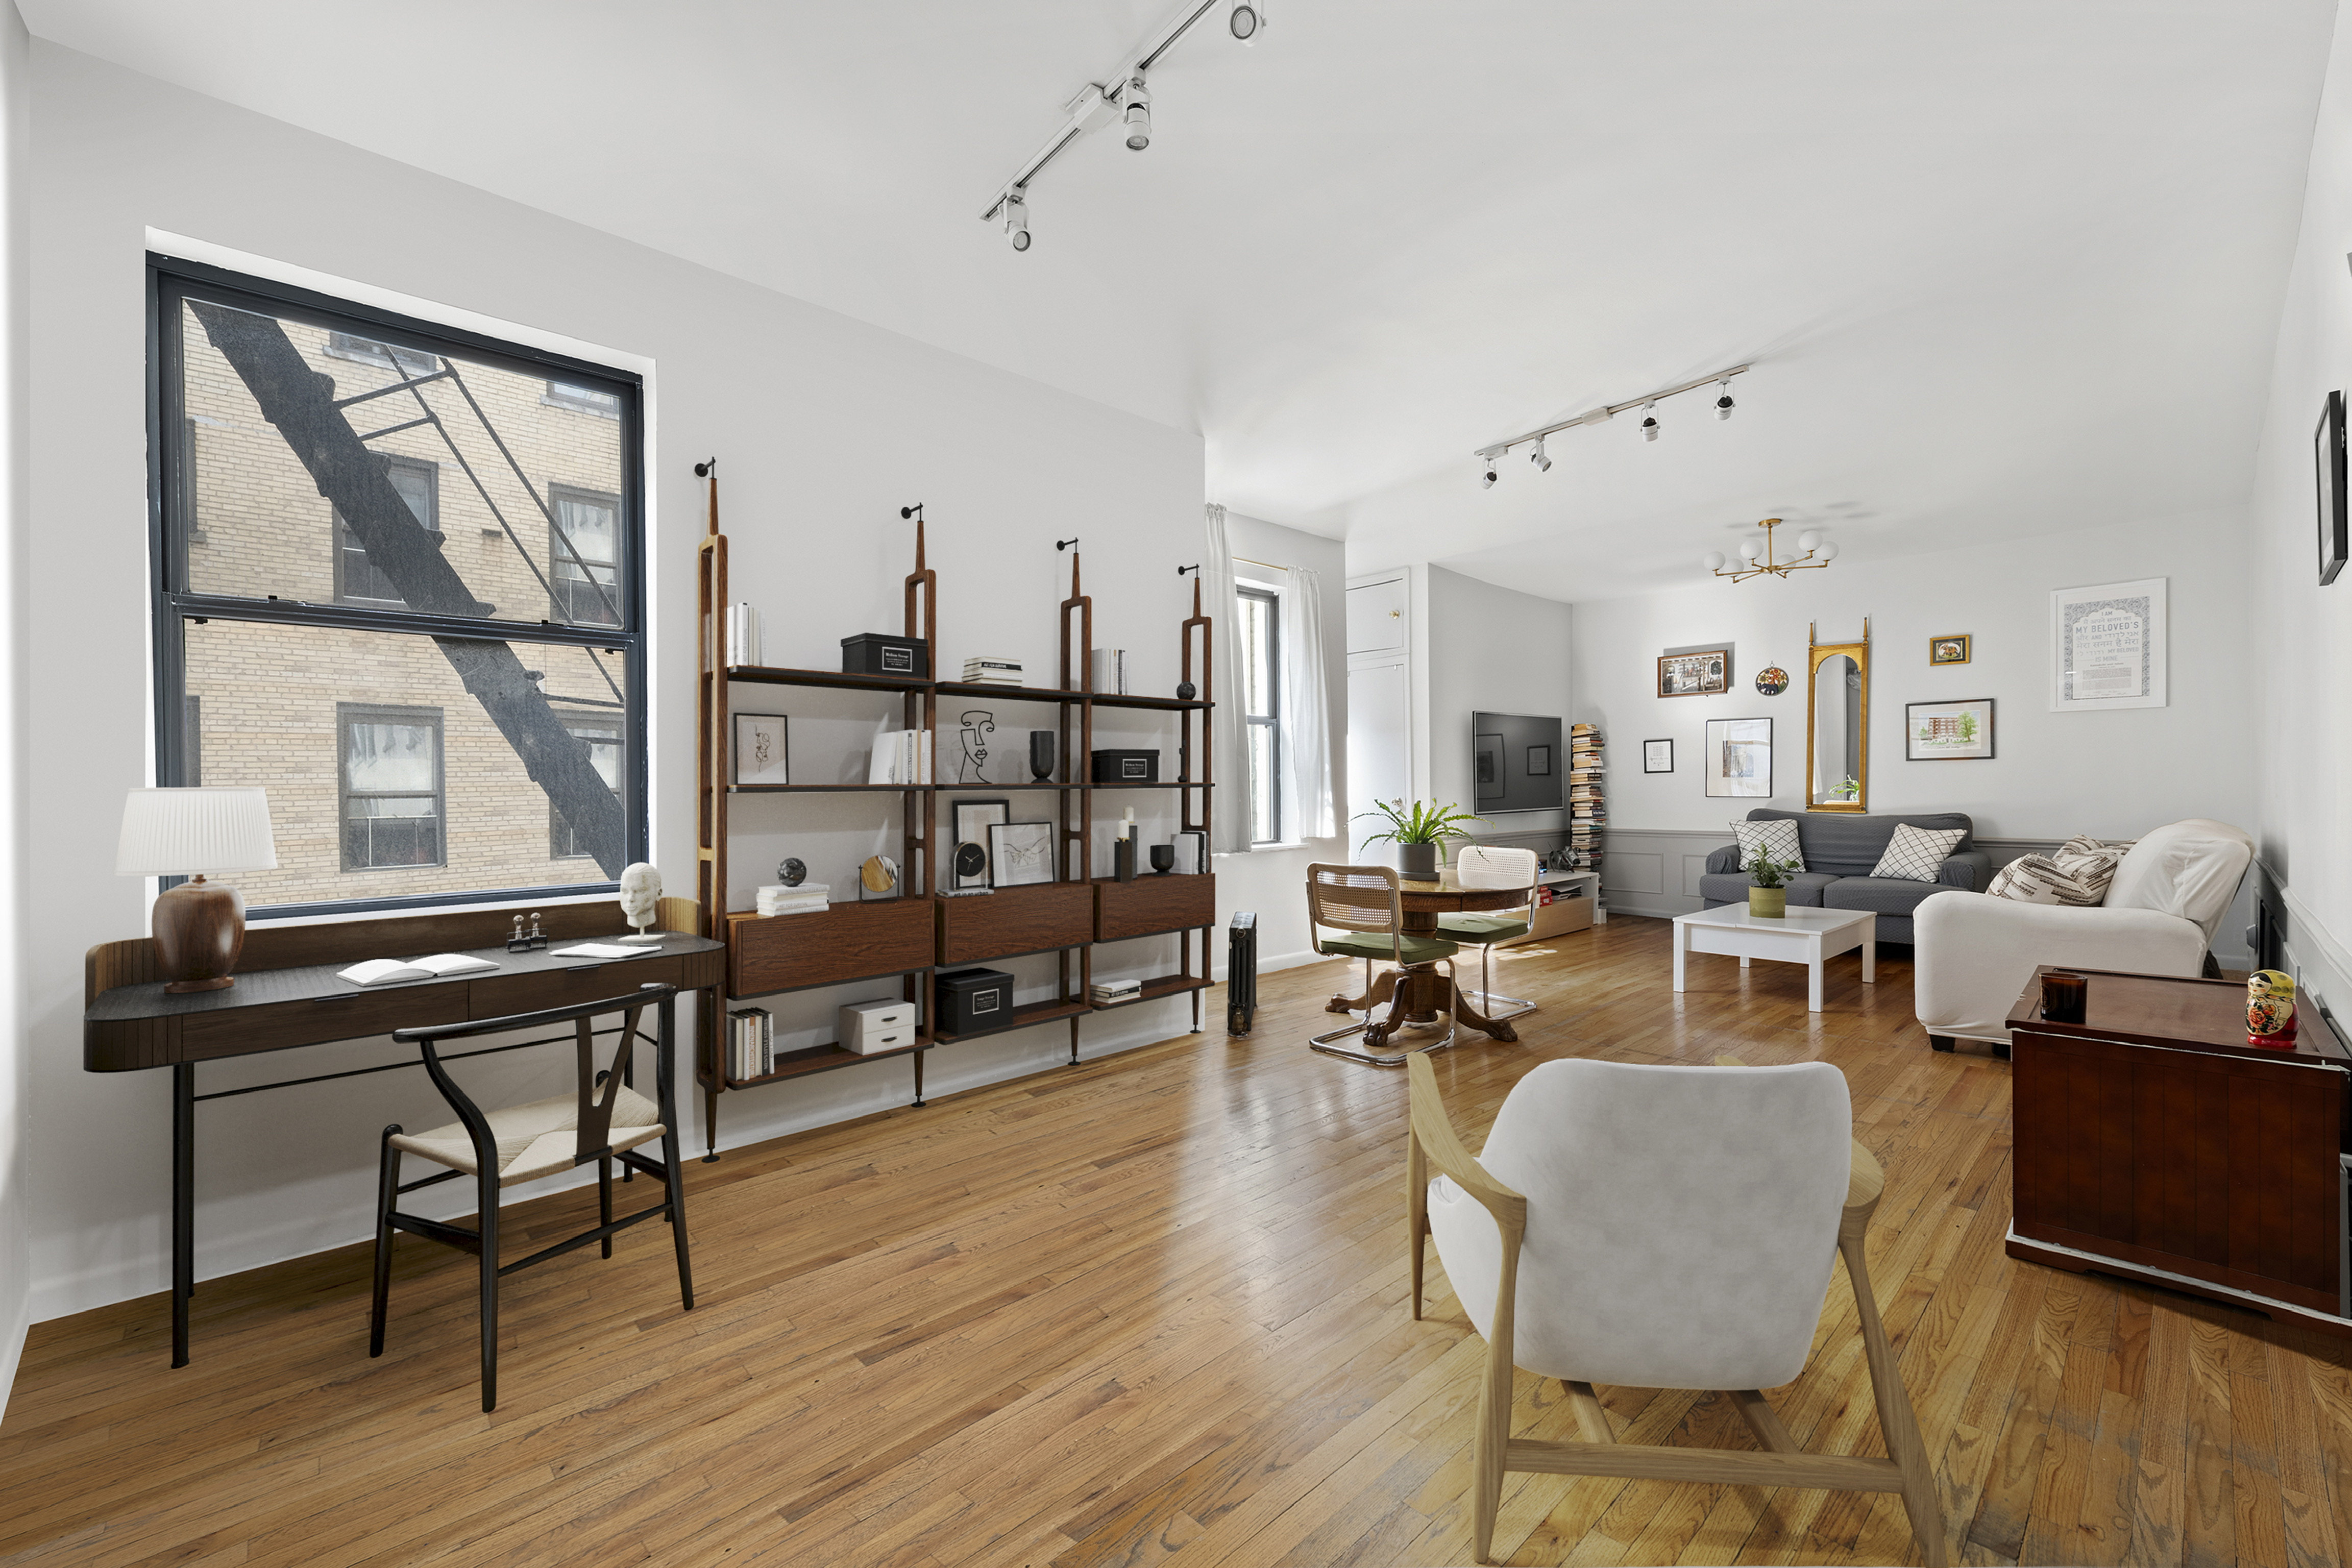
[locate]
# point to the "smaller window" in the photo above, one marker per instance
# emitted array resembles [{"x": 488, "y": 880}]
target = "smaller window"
[
  {"x": 582, "y": 399},
  {"x": 602, "y": 736},
  {"x": 358, "y": 580},
  {"x": 1261, "y": 701},
  {"x": 367, "y": 351},
  {"x": 583, "y": 556},
  {"x": 391, "y": 785}
]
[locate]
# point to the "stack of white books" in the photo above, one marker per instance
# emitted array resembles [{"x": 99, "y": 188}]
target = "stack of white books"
[
  {"x": 1110, "y": 671},
  {"x": 778, "y": 899},
  {"x": 991, "y": 671},
  {"x": 900, "y": 757},
  {"x": 743, "y": 636},
  {"x": 1108, "y": 993}
]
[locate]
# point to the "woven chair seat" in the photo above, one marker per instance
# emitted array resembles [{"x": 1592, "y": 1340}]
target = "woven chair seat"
[{"x": 541, "y": 1139}]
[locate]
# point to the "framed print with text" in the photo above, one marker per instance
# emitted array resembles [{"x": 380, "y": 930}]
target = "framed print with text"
[
  {"x": 2107, "y": 647},
  {"x": 1657, "y": 756}
]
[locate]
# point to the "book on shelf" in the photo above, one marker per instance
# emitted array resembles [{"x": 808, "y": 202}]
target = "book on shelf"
[
  {"x": 777, "y": 899},
  {"x": 394, "y": 971},
  {"x": 900, "y": 757},
  {"x": 1003, "y": 669},
  {"x": 750, "y": 1043},
  {"x": 1109, "y": 666},
  {"x": 1107, "y": 991},
  {"x": 742, "y": 635}
]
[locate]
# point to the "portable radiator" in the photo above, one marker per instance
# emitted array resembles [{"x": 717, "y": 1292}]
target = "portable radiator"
[{"x": 1241, "y": 974}]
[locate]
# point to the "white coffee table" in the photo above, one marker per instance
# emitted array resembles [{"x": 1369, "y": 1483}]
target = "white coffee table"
[{"x": 1800, "y": 936}]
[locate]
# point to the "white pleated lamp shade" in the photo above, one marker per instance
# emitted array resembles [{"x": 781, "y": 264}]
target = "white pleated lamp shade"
[{"x": 194, "y": 831}]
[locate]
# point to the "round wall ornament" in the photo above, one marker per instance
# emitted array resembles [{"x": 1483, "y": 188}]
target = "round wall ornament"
[{"x": 1771, "y": 681}]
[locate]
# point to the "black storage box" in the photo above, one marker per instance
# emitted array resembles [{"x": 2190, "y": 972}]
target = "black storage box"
[
  {"x": 1127, "y": 767},
  {"x": 972, "y": 999},
  {"x": 879, "y": 653}
]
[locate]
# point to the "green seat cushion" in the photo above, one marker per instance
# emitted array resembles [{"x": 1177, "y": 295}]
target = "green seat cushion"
[
  {"x": 1377, "y": 946},
  {"x": 1481, "y": 929}
]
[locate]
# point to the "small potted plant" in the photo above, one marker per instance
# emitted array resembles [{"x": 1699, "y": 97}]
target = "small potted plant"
[
  {"x": 1767, "y": 891},
  {"x": 1418, "y": 832},
  {"x": 1846, "y": 789}
]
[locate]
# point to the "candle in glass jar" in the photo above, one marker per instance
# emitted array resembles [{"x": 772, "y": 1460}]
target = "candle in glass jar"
[{"x": 2063, "y": 996}]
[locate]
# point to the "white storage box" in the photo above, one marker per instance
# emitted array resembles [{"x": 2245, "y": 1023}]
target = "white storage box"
[{"x": 868, "y": 1027}]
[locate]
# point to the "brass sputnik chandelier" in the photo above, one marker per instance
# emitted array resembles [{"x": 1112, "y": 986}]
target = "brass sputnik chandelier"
[{"x": 1818, "y": 551}]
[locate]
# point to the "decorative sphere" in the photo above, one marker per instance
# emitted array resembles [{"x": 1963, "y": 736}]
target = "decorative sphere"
[
  {"x": 1186, "y": 691},
  {"x": 1712, "y": 560},
  {"x": 792, "y": 872},
  {"x": 1749, "y": 549}
]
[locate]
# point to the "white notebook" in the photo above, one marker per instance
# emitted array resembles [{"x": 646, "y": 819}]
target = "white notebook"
[
  {"x": 598, "y": 950},
  {"x": 391, "y": 971}
]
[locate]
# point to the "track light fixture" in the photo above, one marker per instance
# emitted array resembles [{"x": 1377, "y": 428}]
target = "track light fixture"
[
  {"x": 1720, "y": 380},
  {"x": 1016, "y": 221},
  {"x": 1486, "y": 474},
  {"x": 1245, "y": 20},
  {"x": 1137, "y": 99}
]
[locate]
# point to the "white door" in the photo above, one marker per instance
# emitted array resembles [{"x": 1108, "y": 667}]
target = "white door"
[
  {"x": 1376, "y": 619},
  {"x": 1380, "y": 757}
]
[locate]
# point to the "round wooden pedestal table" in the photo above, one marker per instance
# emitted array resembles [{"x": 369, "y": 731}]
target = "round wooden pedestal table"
[{"x": 1419, "y": 993}]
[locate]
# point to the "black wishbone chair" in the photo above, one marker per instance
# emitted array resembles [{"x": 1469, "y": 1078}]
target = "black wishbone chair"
[{"x": 604, "y": 1121}]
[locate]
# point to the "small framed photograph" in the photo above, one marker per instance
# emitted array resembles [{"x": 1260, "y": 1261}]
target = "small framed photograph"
[
  {"x": 1739, "y": 758},
  {"x": 1707, "y": 674},
  {"x": 763, "y": 749},
  {"x": 1949, "y": 649},
  {"x": 973, "y": 819},
  {"x": 1657, "y": 756},
  {"x": 1947, "y": 732},
  {"x": 1020, "y": 852},
  {"x": 2327, "y": 455},
  {"x": 1539, "y": 762}
]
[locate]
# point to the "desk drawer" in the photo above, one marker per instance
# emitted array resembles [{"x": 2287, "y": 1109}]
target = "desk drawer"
[
  {"x": 494, "y": 997},
  {"x": 238, "y": 1031}
]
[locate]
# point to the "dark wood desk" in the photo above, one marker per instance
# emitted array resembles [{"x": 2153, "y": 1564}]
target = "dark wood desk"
[
  {"x": 1418, "y": 993},
  {"x": 2153, "y": 1142},
  {"x": 287, "y": 995}
]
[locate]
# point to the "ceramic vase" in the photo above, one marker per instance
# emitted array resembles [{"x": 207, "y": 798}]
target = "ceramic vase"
[
  {"x": 1041, "y": 754},
  {"x": 1417, "y": 860},
  {"x": 1768, "y": 903}
]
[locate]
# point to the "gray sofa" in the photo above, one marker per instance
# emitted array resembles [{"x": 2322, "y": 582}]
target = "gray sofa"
[{"x": 1841, "y": 850}]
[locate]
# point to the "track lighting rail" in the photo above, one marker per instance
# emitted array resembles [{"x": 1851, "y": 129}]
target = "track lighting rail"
[{"x": 1607, "y": 412}]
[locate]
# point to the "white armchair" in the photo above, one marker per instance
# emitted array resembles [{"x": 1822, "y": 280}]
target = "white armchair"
[{"x": 1974, "y": 952}]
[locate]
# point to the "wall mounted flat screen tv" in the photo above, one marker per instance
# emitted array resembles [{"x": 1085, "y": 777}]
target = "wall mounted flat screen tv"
[{"x": 1518, "y": 763}]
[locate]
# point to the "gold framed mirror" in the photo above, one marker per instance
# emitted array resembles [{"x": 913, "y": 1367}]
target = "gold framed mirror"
[{"x": 1837, "y": 723}]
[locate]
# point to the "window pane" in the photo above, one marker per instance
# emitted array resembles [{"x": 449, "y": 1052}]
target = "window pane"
[
  {"x": 255, "y": 521},
  {"x": 389, "y": 776},
  {"x": 1257, "y": 675},
  {"x": 1264, "y": 825},
  {"x": 587, "y": 584}
]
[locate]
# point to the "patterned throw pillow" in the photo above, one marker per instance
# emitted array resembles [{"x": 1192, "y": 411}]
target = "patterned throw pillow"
[
  {"x": 2092, "y": 863},
  {"x": 2040, "y": 879},
  {"x": 1916, "y": 854},
  {"x": 1778, "y": 835}
]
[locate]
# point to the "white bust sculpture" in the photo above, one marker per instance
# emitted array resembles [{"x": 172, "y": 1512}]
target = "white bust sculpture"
[{"x": 641, "y": 888}]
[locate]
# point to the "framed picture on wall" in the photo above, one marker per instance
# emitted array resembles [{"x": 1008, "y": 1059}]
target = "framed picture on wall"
[
  {"x": 2327, "y": 456},
  {"x": 1021, "y": 853},
  {"x": 1657, "y": 756},
  {"x": 2107, "y": 647},
  {"x": 1953, "y": 649},
  {"x": 762, "y": 755},
  {"x": 1739, "y": 758},
  {"x": 1706, "y": 673},
  {"x": 1947, "y": 732}
]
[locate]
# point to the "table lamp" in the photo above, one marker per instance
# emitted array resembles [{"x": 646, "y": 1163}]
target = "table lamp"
[{"x": 198, "y": 926}]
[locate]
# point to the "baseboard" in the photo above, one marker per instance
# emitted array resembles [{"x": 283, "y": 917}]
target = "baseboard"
[{"x": 1274, "y": 964}]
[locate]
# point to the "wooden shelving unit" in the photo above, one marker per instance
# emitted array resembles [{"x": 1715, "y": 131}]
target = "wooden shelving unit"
[{"x": 909, "y": 937}]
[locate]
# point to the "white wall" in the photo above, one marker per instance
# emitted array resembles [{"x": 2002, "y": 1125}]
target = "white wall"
[
  {"x": 15, "y": 641},
  {"x": 1272, "y": 882},
  {"x": 1488, "y": 649},
  {"x": 2303, "y": 632},
  {"x": 824, "y": 428},
  {"x": 2114, "y": 774}
]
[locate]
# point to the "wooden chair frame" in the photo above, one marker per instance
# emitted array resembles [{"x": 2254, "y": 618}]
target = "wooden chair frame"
[
  {"x": 1324, "y": 896},
  {"x": 1432, "y": 1141}
]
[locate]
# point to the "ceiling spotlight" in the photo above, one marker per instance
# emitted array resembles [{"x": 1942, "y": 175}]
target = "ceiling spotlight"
[
  {"x": 1649, "y": 421},
  {"x": 1712, "y": 561},
  {"x": 1016, "y": 221},
  {"x": 1723, "y": 404},
  {"x": 1245, "y": 20},
  {"x": 1137, "y": 99},
  {"x": 1538, "y": 457},
  {"x": 1486, "y": 474}
]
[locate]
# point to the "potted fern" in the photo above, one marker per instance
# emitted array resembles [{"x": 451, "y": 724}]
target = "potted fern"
[
  {"x": 1417, "y": 832},
  {"x": 1768, "y": 890}
]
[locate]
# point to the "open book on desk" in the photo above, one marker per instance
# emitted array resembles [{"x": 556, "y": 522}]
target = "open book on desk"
[{"x": 393, "y": 971}]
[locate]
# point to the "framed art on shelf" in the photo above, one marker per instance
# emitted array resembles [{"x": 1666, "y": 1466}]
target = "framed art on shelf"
[
  {"x": 1739, "y": 758},
  {"x": 1704, "y": 674},
  {"x": 2327, "y": 456},
  {"x": 763, "y": 749},
  {"x": 1657, "y": 756},
  {"x": 1951, "y": 649},
  {"x": 973, "y": 819},
  {"x": 2107, "y": 647},
  {"x": 1947, "y": 732},
  {"x": 1021, "y": 853}
]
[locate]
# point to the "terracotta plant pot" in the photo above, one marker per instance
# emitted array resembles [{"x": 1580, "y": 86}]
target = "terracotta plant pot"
[
  {"x": 1417, "y": 860},
  {"x": 1768, "y": 903}
]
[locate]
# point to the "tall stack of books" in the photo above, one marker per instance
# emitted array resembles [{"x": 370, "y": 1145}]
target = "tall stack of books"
[
  {"x": 750, "y": 1043},
  {"x": 991, "y": 672},
  {"x": 1587, "y": 811},
  {"x": 900, "y": 757}
]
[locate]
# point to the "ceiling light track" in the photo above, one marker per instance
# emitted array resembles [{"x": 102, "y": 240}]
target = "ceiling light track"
[
  {"x": 1122, "y": 95},
  {"x": 1647, "y": 403}
]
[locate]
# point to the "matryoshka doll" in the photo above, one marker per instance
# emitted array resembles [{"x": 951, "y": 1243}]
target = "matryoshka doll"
[{"x": 2270, "y": 1009}]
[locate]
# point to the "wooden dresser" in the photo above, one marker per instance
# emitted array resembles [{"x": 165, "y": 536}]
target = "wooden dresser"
[{"x": 2153, "y": 1142}]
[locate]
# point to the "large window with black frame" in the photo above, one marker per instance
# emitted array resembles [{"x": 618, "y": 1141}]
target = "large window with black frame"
[
  {"x": 1260, "y": 689},
  {"x": 399, "y": 584}
]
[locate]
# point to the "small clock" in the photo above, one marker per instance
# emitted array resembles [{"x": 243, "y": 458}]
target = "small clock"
[{"x": 971, "y": 864}]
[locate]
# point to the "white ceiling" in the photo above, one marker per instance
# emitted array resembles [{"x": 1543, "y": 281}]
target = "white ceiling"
[{"x": 2002, "y": 267}]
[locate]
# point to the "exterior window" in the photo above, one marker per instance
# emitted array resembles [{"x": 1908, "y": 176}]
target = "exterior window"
[
  {"x": 581, "y": 399},
  {"x": 357, "y": 580},
  {"x": 603, "y": 739},
  {"x": 464, "y": 640},
  {"x": 583, "y": 563},
  {"x": 391, "y": 788},
  {"x": 1260, "y": 691}
]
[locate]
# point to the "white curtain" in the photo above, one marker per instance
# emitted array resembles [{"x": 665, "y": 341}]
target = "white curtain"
[
  {"x": 1306, "y": 709},
  {"x": 1228, "y": 731}
]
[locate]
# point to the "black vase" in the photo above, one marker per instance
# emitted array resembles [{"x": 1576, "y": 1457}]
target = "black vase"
[
  {"x": 1164, "y": 859},
  {"x": 1041, "y": 754}
]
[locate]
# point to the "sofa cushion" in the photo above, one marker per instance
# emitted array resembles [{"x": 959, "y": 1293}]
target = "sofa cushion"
[
  {"x": 2040, "y": 879},
  {"x": 1776, "y": 837},
  {"x": 1913, "y": 854},
  {"x": 1849, "y": 843},
  {"x": 2090, "y": 862},
  {"x": 1731, "y": 887},
  {"x": 1882, "y": 895}
]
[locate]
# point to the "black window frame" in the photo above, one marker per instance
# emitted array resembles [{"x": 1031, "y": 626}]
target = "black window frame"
[
  {"x": 417, "y": 714},
  {"x": 173, "y": 604},
  {"x": 1271, "y": 720}
]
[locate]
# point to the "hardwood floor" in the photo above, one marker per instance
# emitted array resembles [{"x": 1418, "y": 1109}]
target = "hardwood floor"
[{"x": 1152, "y": 1309}]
